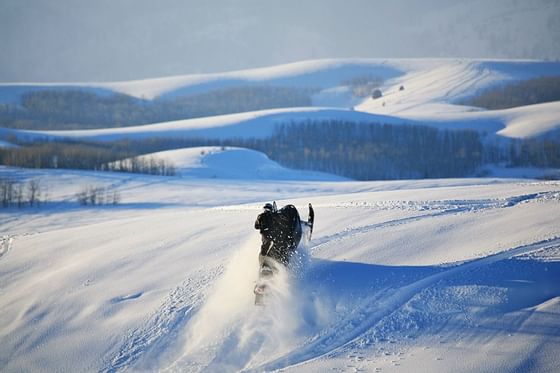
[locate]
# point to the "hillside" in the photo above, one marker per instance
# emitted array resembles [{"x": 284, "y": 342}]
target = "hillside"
[
  {"x": 400, "y": 275},
  {"x": 418, "y": 93},
  {"x": 232, "y": 163},
  {"x": 415, "y": 90}
]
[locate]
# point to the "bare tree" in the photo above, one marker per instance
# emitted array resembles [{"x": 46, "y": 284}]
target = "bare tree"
[{"x": 34, "y": 192}]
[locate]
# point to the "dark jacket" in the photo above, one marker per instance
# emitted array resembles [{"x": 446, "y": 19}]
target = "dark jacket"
[{"x": 280, "y": 233}]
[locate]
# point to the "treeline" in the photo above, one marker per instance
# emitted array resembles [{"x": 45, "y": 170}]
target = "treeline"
[
  {"x": 536, "y": 152},
  {"x": 374, "y": 151},
  {"x": 142, "y": 165},
  {"x": 79, "y": 109},
  {"x": 362, "y": 151},
  {"x": 71, "y": 155},
  {"x": 96, "y": 196},
  {"x": 528, "y": 92},
  {"x": 15, "y": 193},
  {"x": 117, "y": 157}
]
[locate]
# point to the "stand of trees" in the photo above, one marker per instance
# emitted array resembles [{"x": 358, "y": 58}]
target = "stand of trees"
[
  {"x": 79, "y": 109},
  {"x": 362, "y": 151},
  {"x": 14, "y": 193},
  {"x": 540, "y": 153},
  {"x": 72, "y": 155},
  {"x": 94, "y": 195},
  {"x": 118, "y": 157},
  {"x": 142, "y": 165},
  {"x": 528, "y": 92},
  {"x": 373, "y": 151}
]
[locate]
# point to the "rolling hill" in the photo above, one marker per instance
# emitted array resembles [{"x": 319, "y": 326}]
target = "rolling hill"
[
  {"x": 414, "y": 91},
  {"x": 425, "y": 275}
]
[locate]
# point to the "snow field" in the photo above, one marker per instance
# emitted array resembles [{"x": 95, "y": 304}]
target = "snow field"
[
  {"x": 410, "y": 273},
  {"x": 432, "y": 90}
]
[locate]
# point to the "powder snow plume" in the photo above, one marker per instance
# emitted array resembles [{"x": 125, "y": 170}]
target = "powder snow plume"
[{"x": 229, "y": 333}]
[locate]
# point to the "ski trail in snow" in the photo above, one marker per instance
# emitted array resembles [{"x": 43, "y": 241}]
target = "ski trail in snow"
[{"x": 349, "y": 330}]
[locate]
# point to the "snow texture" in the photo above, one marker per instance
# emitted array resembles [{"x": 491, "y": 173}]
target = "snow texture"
[
  {"x": 447, "y": 275},
  {"x": 424, "y": 275},
  {"x": 432, "y": 90}
]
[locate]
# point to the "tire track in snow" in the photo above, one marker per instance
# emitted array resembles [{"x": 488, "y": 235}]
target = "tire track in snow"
[
  {"x": 353, "y": 328},
  {"x": 466, "y": 80}
]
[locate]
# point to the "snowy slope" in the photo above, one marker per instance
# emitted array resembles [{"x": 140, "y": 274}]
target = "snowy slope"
[
  {"x": 317, "y": 74},
  {"x": 257, "y": 124},
  {"x": 523, "y": 122},
  {"x": 324, "y": 74},
  {"x": 431, "y": 90},
  {"x": 232, "y": 163},
  {"x": 426, "y": 275},
  {"x": 436, "y": 88}
]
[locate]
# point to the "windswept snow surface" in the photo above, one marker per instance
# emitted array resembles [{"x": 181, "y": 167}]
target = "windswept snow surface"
[
  {"x": 432, "y": 90},
  {"x": 426, "y": 275},
  {"x": 321, "y": 74},
  {"x": 524, "y": 122},
  {"x": 423, "y": 275},
  {"x": 259, "y": 124},
  {"x": 232, "y": 163}
]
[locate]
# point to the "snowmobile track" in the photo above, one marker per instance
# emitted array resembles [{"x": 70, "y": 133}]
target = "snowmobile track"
[
  {"x": 6, "y": 243},
  {"x": 160, "y": 330},
  {"x": 353, "y": 328},
  {"x": 442, "y": 208}
]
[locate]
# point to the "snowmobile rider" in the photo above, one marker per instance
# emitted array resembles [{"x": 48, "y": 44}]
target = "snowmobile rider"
[
  {"x": 264, "y": 224},
  {"x": 281, "y": 231}
]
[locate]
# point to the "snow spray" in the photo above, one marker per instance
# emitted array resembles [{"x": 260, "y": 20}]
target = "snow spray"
[{"x": 230, "y": 333}]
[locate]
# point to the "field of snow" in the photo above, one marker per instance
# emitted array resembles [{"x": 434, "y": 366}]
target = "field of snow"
[
  {"x": 447, "y": 275},
  {"x": 432, "y": 89},
  {"x": 427, "y": 275},
  {"x": 224, "y": 163}
]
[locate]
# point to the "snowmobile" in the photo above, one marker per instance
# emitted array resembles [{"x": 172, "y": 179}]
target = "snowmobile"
[{"x": 281, "y": 232}]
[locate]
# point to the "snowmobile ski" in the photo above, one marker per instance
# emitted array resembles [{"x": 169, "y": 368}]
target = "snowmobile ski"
[
  {"x": 310, "y": 220},
  {"x": 265, "y": 275}
]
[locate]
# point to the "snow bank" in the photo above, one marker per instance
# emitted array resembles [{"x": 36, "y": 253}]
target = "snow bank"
[{"x": 233, "y": 163}]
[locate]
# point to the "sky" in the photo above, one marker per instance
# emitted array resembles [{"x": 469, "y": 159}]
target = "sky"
[{"x": 111, "y": 40}]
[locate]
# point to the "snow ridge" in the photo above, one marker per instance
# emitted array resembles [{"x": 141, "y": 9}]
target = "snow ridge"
[{"x": 363, "y": 321}]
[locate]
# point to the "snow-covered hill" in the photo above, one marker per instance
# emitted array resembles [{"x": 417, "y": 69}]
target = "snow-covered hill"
[
  {"x": 232, "y": 163},
  {"x": 524, "y": 122},
  {"x": 317, "y": 74},
  {"x": 323, "y": 74},
  {"x": 424, "y": 91},
  {"x": 415, "y": 275},
  {"x": 426, "y": 275}
]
